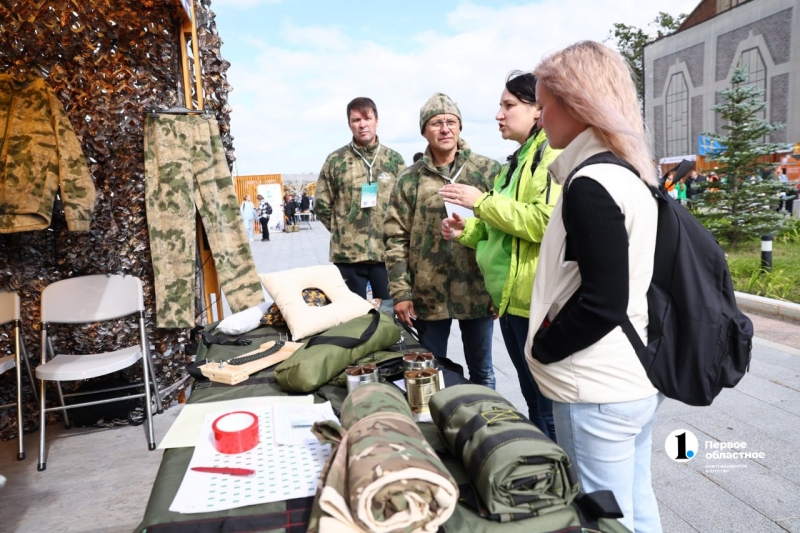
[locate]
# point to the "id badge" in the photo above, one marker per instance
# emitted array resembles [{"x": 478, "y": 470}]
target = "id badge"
[{"x": 369, "y": 195}]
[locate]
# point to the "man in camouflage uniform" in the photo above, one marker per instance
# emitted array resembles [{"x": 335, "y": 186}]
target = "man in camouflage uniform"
[
  {"x": 351, "y": 199},
  {"x": 185, "y": 170},
  {"x": 431, "y": 280},
  {"x": 41, "y": 154}
]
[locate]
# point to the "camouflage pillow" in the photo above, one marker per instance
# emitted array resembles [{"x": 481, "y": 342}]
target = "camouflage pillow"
[{"x": 313, "y": 297}]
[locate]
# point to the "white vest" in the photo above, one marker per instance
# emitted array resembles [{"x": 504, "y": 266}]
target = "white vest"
[{"x": 608, "y": 371}]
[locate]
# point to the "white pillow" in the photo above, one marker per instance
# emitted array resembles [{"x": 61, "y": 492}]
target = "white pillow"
[
  {"x": 286, "y": 288},
  {"x": 243, "y": 321}
]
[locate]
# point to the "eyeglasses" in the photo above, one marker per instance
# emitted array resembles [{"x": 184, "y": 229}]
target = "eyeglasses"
[{"x": 439, "y": 124}]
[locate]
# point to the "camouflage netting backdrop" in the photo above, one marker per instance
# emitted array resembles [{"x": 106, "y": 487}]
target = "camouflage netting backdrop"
[{"x": 108, "y": 61}]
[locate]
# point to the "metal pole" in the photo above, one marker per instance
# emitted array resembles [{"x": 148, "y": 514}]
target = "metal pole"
[{"x": 766, "y": 253}]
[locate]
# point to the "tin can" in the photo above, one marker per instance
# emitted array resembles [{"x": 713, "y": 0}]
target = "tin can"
[
  {"x": 420, "y": 386},
  {"x": 358, "y": 375},
  {"x": 417, "y": 360}
]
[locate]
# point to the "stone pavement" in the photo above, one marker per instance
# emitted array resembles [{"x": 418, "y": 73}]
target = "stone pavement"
[{"x": 703, "y": 494}]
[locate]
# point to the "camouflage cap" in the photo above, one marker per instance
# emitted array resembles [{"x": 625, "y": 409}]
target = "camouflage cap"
[{"x": 437, "y": 104}]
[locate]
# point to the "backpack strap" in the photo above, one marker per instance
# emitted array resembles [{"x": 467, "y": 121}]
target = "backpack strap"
[
  {"x": 348, "y": 342},
  {"x": 596, "y": 505},
  {"x": 608, "y": 158}
]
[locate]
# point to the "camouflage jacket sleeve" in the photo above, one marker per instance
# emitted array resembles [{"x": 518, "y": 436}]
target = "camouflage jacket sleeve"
[
  {"x": 75, "y": 181},
  {"x": 323, "y": 196},
  {"x": 397, "y": 236}
]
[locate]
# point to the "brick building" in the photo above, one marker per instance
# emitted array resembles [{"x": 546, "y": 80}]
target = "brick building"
[{"x": 685, "y": 72}]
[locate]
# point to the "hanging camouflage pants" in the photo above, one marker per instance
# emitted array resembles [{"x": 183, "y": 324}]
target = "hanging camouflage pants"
[{"x": 185, "y": 168}]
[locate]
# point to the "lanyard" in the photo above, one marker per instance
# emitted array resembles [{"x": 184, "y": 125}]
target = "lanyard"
[
  {"x": 369, "y": 165},
  {"x": 454, "y": 178}
]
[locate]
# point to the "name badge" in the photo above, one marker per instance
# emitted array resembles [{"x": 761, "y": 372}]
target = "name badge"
[{"x": 369, "y": 195}]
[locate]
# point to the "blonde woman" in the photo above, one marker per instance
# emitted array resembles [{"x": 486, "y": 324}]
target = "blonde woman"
[{"x": 594, "y": 276}]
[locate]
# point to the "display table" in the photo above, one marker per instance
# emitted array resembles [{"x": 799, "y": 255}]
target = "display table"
[
  {"x": 291, "y": 516},
  {"x": 304, "y": 216}
]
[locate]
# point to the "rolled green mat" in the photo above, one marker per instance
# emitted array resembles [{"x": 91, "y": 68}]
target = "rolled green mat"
[
  {"x": 516, "y": 470},
  {"x": 382, "y": 476}
]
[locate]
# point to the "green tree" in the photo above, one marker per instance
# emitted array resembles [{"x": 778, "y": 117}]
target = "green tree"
[
  {"x": 741, "y": 206},
  {"x": 630, "y": 42}
]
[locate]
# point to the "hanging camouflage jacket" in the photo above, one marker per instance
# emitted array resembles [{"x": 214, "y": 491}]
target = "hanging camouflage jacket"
[
  {"x": 441, "y": 277},
  {"x": 39, "y": 153},
  {"x": 356, "y": 232}
]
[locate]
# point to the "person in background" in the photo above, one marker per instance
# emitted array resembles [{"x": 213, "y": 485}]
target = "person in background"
[
  {"x": 305, "y": 203},
  {"x": 508, "y": 226},
  {"x": 690, "y": 190},
  {"x": 681, "y": 188},
  {"x": 289, "y": 210},
  {"x": 351, "y": 198},
  {"x": 593, "y": 277},
  {"x": 431, "y": 280},
  {"x": 249, "y": 215},
  {"x": 264, "y": 212},
  {"x": 773, "y": 173},
  {"x": 418, "y": 156}
]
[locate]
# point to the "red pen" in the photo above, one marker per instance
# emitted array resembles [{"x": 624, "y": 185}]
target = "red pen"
[{"x": 224, "y": 470}]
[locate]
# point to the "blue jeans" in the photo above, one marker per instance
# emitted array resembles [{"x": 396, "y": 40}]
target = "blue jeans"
[
  {"x": 610, "y": 444},
  {"x": 476, "y": 335},
  {"x": 540, "y": 408}
]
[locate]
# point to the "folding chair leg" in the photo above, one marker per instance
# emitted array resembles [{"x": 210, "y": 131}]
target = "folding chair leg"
[
  {"x": 67, "y": 423},
  {"x": 21, "y": 452},
  {"x": 42, "y": 423},
  {"x": 146, "y": 366},
  {"x": 156, "y": 392},
  {"x": 28, "y": 369}
]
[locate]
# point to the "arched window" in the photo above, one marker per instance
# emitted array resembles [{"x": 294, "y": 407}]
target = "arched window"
[
  {"x": 677, "y": 119},
  {"x": 754, "y": 62}
]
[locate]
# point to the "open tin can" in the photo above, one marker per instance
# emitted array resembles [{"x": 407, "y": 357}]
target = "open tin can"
[
  {"x": 358, "y": 375},
  {"x": 417, "y": 360},
  {"x": 421, "y": 385}
]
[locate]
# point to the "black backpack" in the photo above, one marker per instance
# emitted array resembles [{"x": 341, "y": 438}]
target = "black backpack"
[{"x": 698, "y": 340}]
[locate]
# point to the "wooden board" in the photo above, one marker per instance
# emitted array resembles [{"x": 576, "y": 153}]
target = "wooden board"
[{"x": 232, "y": 374}]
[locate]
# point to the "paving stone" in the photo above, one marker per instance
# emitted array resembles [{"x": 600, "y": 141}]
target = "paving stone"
[
  {"x": 710, "y": 508},
  {"x": 722, "y": 427},
  {"x": 773, "y": 421},
  {"x": 792, "y": 525},
  {"x": 769, "y": 493},
  {"x": 671, "y": 522},
  {"x": 767, "y": 390}
]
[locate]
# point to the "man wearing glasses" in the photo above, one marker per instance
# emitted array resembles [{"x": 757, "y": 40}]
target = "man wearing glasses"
[
  {"x": 351, "y": 197},
  {"x": 432, "y": 280}
]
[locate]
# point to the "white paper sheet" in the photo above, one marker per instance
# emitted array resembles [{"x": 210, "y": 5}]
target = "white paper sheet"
[
  {"x": 463, "y": 212},
  {"x": 186, "y": 428},
  {"x": 293, "y": 424},
  {"x": 282, "y": 472}
]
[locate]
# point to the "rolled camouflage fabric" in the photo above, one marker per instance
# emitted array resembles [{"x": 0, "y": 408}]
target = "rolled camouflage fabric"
[
  {"x": 382, "y": 476},
  {"x": 516, "y": 471}
]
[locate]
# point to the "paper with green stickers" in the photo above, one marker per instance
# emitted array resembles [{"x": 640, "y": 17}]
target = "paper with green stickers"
[{"x": 281, "y": 471}]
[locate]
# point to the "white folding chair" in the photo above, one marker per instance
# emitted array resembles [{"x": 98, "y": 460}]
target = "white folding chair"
[
  {"x": 10, "y": 314},
  {"x": 86, "y": 299}
]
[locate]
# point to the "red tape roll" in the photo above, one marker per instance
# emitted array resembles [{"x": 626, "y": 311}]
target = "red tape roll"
[{"x": 235, "y": 432}]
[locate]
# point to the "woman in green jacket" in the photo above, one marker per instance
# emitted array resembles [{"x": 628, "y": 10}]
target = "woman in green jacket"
[{"x": 508, "y": 226}]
